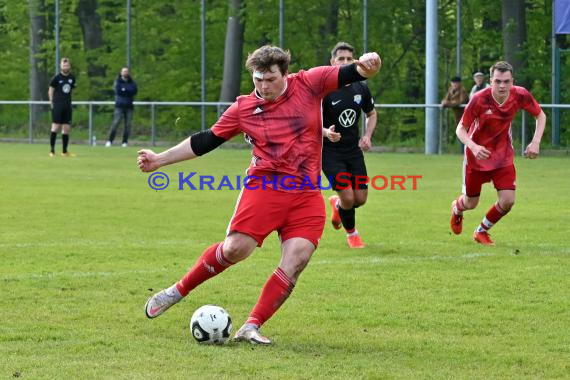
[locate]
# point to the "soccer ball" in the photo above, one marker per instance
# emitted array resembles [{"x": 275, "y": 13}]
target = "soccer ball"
[{"x": 211, "y": 324}]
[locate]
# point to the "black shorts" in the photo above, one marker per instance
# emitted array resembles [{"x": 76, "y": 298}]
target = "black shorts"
[
  {"x": 61, "y": 114},
  {"x": 335, "y": 163}
]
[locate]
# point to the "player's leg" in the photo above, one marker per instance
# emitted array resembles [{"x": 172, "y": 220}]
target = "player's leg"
[
  {"x": 128, "y": 114},
  {"x": 335, "y": 168},
  {"x": 65, "y": 129},
  {"x": 349, "y": 219},
  {"x": 505, "y": 183},
  {"x": 469, "y": 199},
  {"x": 300, "y": 234},
  {"x": 295, "y": 254},
  {"x": 358, "y": 196},
  {"x": 248, "y": 228},
  {"x": 345, "y": 207},
  {"x": 217, "y": 258},
  {"x": 213, "y": 261},
  {"x": 114, "y": 125},
  {"x": 53, "y": 137},
  {"x": 56, "y": 118}
]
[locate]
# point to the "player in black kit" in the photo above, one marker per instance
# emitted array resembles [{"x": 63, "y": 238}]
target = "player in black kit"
[
  {"x": 343, "y": 146},
  {"x": 59, "y": 94}
]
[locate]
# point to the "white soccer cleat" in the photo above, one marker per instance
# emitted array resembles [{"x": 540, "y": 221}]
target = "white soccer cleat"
[
  {"x": 161, "y": 301},
  {"x": 108, "y": 144},
  {"x": 124, "y": 145},
  {"x": 250, "y": 333}
]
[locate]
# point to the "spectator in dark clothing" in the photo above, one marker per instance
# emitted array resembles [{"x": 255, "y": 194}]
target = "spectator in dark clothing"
[{"x": 125, "y": 90}]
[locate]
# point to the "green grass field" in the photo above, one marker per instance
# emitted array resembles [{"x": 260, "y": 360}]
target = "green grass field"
[{"x": 84, "y": 242}]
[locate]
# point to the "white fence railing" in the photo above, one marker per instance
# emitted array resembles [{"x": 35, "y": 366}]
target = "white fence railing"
[{"x": 221, "y": 105}]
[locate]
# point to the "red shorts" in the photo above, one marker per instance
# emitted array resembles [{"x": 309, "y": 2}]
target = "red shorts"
[
  {"x": 503, "y": 179},
  {"x": 261, "y": 211}
]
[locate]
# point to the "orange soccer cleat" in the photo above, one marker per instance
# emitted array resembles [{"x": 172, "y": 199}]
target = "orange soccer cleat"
[
  {"x": 482, "y": 238},
  {"x": 335, "y": 216},
  {"x": 456, "y": 221},
  {"x": 354, "y": 241}
]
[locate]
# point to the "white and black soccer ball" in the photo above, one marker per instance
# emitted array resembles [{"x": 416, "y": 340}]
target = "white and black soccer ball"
[{"x": 211, "y": 324}]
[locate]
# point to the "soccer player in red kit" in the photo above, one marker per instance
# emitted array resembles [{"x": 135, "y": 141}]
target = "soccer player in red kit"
[
  {"x": 282, "y": 120},
  {"x": 485, "y": 129}
]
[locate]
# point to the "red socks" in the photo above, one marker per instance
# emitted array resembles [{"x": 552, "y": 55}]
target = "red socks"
[
  {"x": 211, "y": 263},
  {"x": 276, "y": 290},
  {"x": 494, "y": 214}
]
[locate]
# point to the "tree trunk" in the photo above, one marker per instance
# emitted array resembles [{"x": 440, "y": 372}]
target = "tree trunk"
[
  {"x": 90, "y": 23},
  {"x": 233, "y": 53},
  {"x": 514, "y": 33},
  {"x": 329, "y": 33},
  {"x": 39, "y": 77}
]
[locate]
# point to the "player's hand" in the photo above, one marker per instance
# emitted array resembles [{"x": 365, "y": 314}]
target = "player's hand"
[
  {"x": 332, "y": 135},
  {"x": 365, "y": 144},
  {"x": 147, "y": 160},
  {"x": 368, "y": 64},
  {"x": 532, "y": 150},
  {"x": 480, "y": 152}
]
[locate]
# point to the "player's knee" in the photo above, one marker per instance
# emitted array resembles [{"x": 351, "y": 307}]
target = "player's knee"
[
  {"x": 294, "y": 268},
  {"x": 237, "y": 249},
  {"x": 234, "y": 252},
  {"x": 359, "y": 201},
  {"x": 347, "y": 201},
  {"x": 507, "y": 204}
]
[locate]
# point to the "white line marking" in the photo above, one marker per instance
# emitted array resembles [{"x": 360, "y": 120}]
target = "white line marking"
[
  {"x": 394, "y": 259},
  {"x": 49, "y": 275}
]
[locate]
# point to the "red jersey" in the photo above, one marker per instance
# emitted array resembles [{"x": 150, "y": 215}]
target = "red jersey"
[
  {"x": 489, "y": 125},
  {"x": 286, "y": 133}
]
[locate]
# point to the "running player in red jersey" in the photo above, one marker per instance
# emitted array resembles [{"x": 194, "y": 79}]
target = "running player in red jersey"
[
  {"x": 282, "y": 120},
  {"x": 485, "y": 129}
]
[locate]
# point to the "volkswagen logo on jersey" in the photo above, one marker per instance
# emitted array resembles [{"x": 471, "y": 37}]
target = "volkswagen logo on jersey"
[
  {"x": 66, "y": 88},
  {"x": 357, "y": 98},
  {"x": 347, "y": 117}
]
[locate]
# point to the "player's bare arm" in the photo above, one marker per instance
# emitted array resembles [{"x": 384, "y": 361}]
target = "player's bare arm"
[
  {"x": 330, "y": 134},
  {"x": 149, "y": 161},
  {"x": 365, "y": 142},
  {"x": 533, "y": 149},
  {"x": 368, "y": 65},
  {"x": 50, "y": 96},
  {"x": 196, "y": 145},
  {"x": 479, "y": 151}
]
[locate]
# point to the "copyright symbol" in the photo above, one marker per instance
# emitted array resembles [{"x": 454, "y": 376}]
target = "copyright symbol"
[{"x": 156, "y": 181}]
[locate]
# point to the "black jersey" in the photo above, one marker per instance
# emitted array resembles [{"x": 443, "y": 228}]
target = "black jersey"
[
  {"x": 62, "y": 84},
  {"x": 342, "y": 109}
]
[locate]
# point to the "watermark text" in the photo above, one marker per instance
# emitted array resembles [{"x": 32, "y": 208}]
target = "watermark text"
[{"x": 344, "y": 181}]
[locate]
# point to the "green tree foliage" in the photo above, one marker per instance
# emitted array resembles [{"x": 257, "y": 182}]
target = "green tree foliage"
[
  {"x": 14, "y": 52},
  {"x": 165, "y": 49}
]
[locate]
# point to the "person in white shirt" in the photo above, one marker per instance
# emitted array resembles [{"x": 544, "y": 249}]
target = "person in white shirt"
[{"x": 479, "y": 85}]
